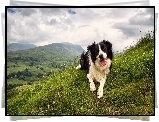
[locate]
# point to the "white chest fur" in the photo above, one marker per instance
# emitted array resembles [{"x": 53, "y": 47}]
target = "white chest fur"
[{"x": 98, "y": 73}]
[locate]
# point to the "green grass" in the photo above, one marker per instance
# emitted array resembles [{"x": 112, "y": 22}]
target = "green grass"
[
  {"x": 38, "y": 62},
  {"x": 129, "y": 89},
  {"x": 18, "y": 67}
]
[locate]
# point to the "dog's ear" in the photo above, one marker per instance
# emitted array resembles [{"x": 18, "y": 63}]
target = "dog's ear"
[
  {"x": 108, "y": 44},
  {"x": 91, "y": 47},
  {"x": 109, "y": 48}
]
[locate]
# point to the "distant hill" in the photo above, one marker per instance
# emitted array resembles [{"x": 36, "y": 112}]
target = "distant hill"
[
  {"x": 66, "y": 49},
  {"x": 18, "y": 46},
  {"x": 28, "y": 66}
]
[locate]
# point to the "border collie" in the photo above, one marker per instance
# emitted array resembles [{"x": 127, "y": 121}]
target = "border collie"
[{"x": 97, "y": 61}]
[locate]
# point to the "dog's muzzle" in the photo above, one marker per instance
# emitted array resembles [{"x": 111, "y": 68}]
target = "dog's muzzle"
[
  {"x": 103, "y": 61},
  {"x": 101, "y": 57}
]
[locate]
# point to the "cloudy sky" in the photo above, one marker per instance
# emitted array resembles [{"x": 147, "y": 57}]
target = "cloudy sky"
[{"x": 82, "y": 26}]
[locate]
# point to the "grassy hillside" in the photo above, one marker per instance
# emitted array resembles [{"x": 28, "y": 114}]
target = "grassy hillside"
[
  {"x": 33, "y": 65},
  {"x": 129, "y": 89}
]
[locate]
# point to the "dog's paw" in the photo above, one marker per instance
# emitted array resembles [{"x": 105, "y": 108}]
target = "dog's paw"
[
  {"x": 99, "y": 94},
  {"x": 92, "y": 87}
]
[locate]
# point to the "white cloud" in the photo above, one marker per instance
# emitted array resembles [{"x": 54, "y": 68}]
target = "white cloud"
[{"x": 42, "y": 26}]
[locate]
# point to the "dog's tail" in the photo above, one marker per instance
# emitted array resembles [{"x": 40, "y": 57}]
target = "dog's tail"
[
  {"x": 78, "y": 67},
  {"x": 83, "y": 62}
]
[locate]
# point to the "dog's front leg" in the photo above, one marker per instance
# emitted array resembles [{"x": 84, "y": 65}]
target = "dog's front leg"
[
  {"x": 100, "y": 89},
  {"x": 92, "y": 85}
]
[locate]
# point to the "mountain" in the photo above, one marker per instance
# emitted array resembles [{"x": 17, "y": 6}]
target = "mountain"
[
  {"x": 31, "y": 65},
  {"x": 55, "y": 52},
  {"x": 18, "y": 46},
  {"x": 65, "y": 48},
  {"x": 129, "y": 89}
]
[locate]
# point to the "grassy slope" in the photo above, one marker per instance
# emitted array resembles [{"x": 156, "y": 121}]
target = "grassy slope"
[
  {"x": 43, "y": 57},
  {"x": 129, "y": 89}
]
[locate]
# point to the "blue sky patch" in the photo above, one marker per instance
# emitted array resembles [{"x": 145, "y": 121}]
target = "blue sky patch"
[
  {"x": 71, "y": 11},
  {"x": 14, "y": 10}
]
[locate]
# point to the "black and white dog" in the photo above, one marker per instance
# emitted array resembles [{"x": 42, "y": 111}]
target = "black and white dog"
[{"x": 98, "y": 62}]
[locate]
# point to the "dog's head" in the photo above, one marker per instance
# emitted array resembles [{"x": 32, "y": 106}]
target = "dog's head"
[{"x": 101, "y": 52}]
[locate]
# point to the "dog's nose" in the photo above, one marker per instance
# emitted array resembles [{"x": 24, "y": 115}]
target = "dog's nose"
[{"x": 101, "y": 56}]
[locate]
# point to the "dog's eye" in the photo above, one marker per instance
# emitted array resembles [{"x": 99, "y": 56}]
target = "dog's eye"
[
  {"x": 103, "y": 47},
  {"x": 97, "y": 51}
]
